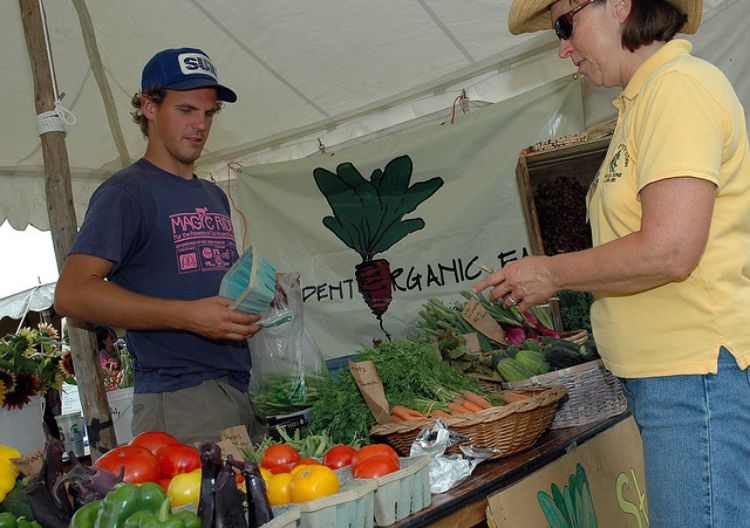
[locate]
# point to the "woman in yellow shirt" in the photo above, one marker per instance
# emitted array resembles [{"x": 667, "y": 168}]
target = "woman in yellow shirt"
[{"x": 670, "y": 266}]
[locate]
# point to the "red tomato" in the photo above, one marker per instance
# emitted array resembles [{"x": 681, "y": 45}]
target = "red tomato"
[
  {"x": 307, "y": 462},
  {"x": 279, "y": 454},
  {"x": 140, "y": 464},
  {"x": 281, "y": 468},
  {"x": 177, "y": 458},
  {"x": 153, "y": 440},
  {"x": 164, "y": 483},
  {"x": 339, "y": 456},
  {"x": 367, "y": 451},
  {"x": 375, "y": 466}
]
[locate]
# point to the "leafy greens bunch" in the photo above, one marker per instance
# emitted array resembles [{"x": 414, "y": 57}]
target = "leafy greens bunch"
[{"x": 409, "y": 371}]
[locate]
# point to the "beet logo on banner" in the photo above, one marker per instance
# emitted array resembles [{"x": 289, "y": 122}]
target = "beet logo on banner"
[{"x": 368, "y": 218}]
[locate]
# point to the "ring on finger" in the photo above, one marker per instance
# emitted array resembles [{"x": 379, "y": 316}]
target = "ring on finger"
[{"x": 512, "y": 301}]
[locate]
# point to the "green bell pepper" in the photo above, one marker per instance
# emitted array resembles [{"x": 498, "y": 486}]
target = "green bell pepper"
[
  {"x": 125, "y": 500},
  {"x": 85, "y": 516},
  {"x": 8, "y": 520},
  {"x": 164, "y": 518}
]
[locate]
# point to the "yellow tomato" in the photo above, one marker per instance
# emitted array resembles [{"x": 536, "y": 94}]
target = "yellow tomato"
[
  {"x": 296, "y": 470},
  {"x": 277, "y": 489},
  {"x": 266, "y": 474},
  {"x": 313, "y": 482},
  {"x": 185, "y": 488}
]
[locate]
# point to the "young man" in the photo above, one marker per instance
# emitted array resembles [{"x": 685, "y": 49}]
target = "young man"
[{"x": 150, "y": 255}]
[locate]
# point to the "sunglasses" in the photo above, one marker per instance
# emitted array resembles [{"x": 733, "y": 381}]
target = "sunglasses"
[{"x": 564, "y": 23}]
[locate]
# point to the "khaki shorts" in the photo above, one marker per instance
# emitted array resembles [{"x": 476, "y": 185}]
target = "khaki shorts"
[{"x": 195, "y": 414}]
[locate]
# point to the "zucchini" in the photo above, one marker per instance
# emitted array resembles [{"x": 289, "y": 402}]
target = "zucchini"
[{"x": 562, "y": 357}]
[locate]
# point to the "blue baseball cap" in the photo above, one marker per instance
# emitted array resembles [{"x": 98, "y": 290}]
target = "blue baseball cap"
[{"x": 183, "y": 69}]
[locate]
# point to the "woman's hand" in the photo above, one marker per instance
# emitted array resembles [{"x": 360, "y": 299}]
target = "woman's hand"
[{"x": 522, "y": 283}]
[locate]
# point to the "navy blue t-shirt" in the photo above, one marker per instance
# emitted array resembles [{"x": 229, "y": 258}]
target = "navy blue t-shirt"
[{"x": 171, "y": 238}]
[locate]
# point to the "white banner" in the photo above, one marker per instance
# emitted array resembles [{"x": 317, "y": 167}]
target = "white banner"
[{"x": 460, "y": 177}]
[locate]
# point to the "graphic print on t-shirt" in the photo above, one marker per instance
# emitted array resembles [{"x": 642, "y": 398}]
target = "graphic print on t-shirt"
[{"x": 203, "y": 241}]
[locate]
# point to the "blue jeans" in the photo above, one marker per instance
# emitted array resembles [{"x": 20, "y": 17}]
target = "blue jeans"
[{"x": 696, "y": 446}]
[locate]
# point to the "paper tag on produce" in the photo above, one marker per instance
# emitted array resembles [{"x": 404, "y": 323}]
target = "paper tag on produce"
[
  {"x": 472, "y": 343},
  {"x": 228, "y": 448},
  {"x": 30, "y": 464},
  {"x": 368, "y": 381},
  {"x": 475, "y": 314},
  {"x": 237, "y": 436}
]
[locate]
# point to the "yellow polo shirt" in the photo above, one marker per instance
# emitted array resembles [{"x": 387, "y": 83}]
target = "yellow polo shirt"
[{"x": 678, "y": 116}]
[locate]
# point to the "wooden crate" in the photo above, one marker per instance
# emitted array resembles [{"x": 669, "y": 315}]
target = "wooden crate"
[{"x": 552, "y": 184}]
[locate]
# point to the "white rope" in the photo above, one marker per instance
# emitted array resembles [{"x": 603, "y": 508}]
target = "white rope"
[{"x": 53, "y": 120}]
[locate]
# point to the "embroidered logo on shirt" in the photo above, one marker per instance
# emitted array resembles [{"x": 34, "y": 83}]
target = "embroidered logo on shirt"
[
  {"x": 203, "y": 241},
  {"x": 619, "y": 161}
]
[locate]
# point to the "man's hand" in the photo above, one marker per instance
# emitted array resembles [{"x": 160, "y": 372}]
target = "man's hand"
[{"x": 211, "y": 317}]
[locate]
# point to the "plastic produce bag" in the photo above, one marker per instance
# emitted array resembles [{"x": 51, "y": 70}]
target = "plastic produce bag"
[{"x": 288, "y": 366}]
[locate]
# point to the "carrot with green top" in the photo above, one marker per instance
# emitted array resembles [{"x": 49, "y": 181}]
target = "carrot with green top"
[{"x": 477, "y": 399}]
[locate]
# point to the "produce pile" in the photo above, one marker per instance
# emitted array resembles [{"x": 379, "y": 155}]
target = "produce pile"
[
  {"x": 533, "y": 348},
  {"x": 437, "y": 319},
  {"x": 150, "y": 482},
  {"x": 413, "y": 374}
]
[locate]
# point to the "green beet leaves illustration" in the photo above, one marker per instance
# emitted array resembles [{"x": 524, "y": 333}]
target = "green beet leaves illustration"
[
  {"x": 368, "y": 216},
  {"x": 571, "y": 508}
]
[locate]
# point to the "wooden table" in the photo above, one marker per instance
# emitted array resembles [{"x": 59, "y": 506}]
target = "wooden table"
[{"x": 464, "y": 505}]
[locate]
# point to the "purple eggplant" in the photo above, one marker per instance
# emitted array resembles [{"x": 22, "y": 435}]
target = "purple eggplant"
[
  {"x": 211, "y": 465},
  {"x": 229, "y": 510},
  {"x": 258, "y": 508}
]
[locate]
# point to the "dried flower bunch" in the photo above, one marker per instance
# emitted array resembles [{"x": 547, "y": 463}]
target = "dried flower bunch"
[{"x": 31, "y": 363}]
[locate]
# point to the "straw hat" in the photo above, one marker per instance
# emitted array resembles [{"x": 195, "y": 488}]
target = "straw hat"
[{"x": 527, "y": 16}]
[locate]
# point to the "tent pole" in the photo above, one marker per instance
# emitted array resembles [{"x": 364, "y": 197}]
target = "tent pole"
[{"x": 62, "y": 220}]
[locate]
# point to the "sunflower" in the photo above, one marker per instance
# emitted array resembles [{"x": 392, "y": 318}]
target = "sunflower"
[
  {"x": 26, "y": 386},
  {"x": 2, "y": 392},
  {"x": 48, "y": 330},
  {"x": 67, "y": 366},
  {"x": 8, "y": 379}
]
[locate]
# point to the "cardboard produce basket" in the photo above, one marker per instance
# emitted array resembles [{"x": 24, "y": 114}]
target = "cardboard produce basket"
[
  {"x": 352, "y": 507},
  {"x": 401, "y": 493},
  {"x": 284, "y": 517}
]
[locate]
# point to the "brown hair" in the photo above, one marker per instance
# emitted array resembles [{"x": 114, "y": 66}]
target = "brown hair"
[
  {"x": 157, "y": 96},
  {"x": 649, "y": 21}
]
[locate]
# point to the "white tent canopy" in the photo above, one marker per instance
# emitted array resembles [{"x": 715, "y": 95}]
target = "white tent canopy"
[
  {"x": 34, "y": 299},
  {"x": 305, "y": 72}
]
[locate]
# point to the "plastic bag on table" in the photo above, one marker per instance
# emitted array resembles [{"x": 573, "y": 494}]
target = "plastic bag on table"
[
  {"x": 288, "y": 366},
  {"x": 446, "y": 471}
]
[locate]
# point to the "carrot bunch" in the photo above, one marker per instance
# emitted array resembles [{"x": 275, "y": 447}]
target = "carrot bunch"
[
  {"x": 422, "y": 408},
  {"x": 468, "y": 402}
]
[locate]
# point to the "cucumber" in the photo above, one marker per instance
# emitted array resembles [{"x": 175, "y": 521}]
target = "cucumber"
[
  {"x": 532, "y": 344},
  {"x": 511, "y": 370},
  {"x": 532, "y": 360},
  {"x": 501, "y": 353}
]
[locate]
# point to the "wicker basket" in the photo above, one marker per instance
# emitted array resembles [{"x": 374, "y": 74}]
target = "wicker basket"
[
  {"x": 593, "y": 393},
  {"x": 510, "y": 428}
]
